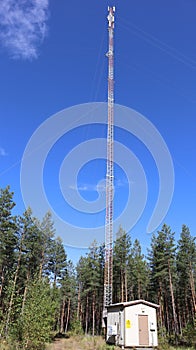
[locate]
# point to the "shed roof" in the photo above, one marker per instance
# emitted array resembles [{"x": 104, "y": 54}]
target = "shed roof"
[{"x": 134, "y": 302}]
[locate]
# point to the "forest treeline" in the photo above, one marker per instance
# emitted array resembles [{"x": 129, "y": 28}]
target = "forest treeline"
[{"x": 43, "y": 293}]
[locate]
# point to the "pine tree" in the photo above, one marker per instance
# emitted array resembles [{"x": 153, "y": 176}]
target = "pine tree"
[
  {"x": 41, "y": 291},
  {"x": 47, "y": 230},
  {"x": 186, "y": 269},
  {"x": 121, "y": 254},
  {"x": 138, "y": 272},
  {"x": 68, "y": 297},
  {"x": 8, "y": 238},
  {"x": 163, "y": 276},
  {"x": 57, "y": 263},
  {"x": 90, "y": 280},
  {"x": 35, "y": 324}
]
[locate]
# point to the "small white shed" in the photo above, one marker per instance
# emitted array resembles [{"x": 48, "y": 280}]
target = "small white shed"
[{"x": 132, "y": 324}]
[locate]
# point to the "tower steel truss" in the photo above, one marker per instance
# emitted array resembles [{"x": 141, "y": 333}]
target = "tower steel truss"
[{"x": 108, "y": 272}]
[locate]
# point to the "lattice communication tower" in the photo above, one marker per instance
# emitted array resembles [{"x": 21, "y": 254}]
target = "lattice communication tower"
[{"x": 108, "y": 272}]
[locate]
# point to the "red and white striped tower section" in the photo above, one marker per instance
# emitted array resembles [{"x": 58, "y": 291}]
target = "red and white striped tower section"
[{"x": 108, "y": 273}]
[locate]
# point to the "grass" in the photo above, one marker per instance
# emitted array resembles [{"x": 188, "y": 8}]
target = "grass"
[
  {"x": 80, "y": 342},
  {"x": 177, "y": 348}
]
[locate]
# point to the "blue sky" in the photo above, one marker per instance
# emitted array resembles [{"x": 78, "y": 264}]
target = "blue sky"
[{"x": 52, "y": 56}]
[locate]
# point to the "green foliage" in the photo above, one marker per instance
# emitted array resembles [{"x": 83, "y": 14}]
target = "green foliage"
[
  {"x": 121, "y": 257},
  {"x": 188, "y": 337},
  {"x": 58, "y": 261},
  {"x": 162, "y": 338},
  {"x": 186, "y": 269},
  {"x": 41, "y": 293},
  {"x": 90, "y": 287},
  {"x": 34, "y": 326},
  {"x": 8, "y": 236},
  {"x": 138, "y": 272},
  {"x": 108, "y": 347},
  {"x": 76, "y": 328}
]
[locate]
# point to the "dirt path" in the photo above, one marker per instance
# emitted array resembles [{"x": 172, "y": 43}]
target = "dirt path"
[
  {"x": 58, "y": 344},
  {"x": 78, "y": 343},
  {"x": 69, "y": 344}
]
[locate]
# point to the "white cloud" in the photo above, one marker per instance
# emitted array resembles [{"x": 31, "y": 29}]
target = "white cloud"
[
  {"x": 2, "y": 152},
  {"x": 23, "y": 26},
  {"x": 101, "y": 186},
  {"x": 83, "y": 187},
  {"x": 121, "y": 182}
]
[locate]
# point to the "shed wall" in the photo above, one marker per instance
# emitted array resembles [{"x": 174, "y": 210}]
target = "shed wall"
[
  {"x": 132, "y": 326},
  {"x": 134, "y": 336},
  {"x": 115, "y": 326}
]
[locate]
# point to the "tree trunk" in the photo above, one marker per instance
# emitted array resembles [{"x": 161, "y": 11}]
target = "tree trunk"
[
  {"x": 62, "y": 316},
  {"x": 2, "y": 281},
  {"x": 160, "y": 302},
  {"x": 192, "y": 284},
  {"x": 126, "y": 298},
  {"x": 138, "y": 289},
  {"x": 14, "y": 287},
  {"x": 173, "y": 301},
  {"x": 167, "y": 320},
  {"x": 131, "y": 295},
  {"x": 68, "y": 314},
  {"x": 25, "y": 293},
  {"x": 122, "y": 286},
  {"x": 93, "y": 313},
  {"x": 86, "y": 318},
  {"x": 186, "y": 311},
  {"x": 41, "y": 264},
  {"x": 79, "y": 304}
]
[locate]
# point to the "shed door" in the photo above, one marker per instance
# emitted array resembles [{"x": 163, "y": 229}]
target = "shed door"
[{"x": 143, "y": 330}]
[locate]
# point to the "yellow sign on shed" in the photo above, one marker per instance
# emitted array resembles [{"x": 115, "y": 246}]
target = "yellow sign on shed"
[{"x": 128, "y": 324}]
